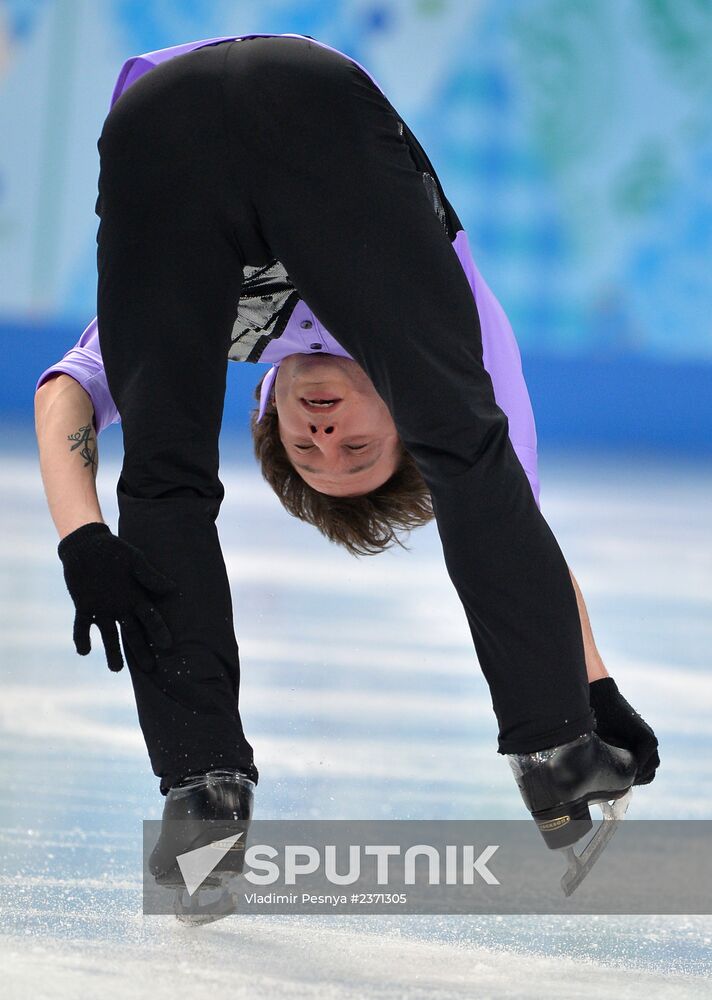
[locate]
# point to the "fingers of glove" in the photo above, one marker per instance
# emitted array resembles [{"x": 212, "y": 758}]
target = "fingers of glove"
[
  {"x": 155, "y": 626},
  {"x": 644, "y": 744},
  {"x": 82, "y": 640},
  {"x": 646, "y": 772},
  {"x": 643, "y": 747},
  {"x": 110, "y": 637},
  {"x": 644, "y": 779},
  {"x": 643, "y": 750},
  {"x": 149, "y": 577}
]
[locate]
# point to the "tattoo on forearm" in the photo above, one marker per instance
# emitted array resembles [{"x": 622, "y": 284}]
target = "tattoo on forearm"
[{"x": 83, "y": 440}]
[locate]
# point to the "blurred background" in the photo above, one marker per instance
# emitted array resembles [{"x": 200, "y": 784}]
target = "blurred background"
[{"x": 573, "y": 139}]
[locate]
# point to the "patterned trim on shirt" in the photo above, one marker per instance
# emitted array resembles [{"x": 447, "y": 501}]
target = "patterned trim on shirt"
[{"x": 267, "y": 301}]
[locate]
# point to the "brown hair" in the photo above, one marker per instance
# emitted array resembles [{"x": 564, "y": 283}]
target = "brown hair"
[{"x": 365, "y": 525}]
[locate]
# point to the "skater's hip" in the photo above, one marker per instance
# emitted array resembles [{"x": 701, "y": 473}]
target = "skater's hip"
[
  {"x": 213, "y": 136},
  {"x": 242, "y": 85}
]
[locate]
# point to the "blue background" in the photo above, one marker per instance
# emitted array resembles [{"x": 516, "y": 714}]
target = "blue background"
[{"x": 574, "y": 141}]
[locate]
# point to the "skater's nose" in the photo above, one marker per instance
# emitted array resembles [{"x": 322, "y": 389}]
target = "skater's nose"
[
  {"x": 323, "y": 424},
  {"x": 325, "y": 435}
]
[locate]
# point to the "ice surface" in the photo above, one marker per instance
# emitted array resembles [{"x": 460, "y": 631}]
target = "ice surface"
[{"x": 359, "y": 682}]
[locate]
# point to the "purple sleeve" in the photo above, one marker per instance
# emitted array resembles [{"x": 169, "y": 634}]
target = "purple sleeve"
[
  {"x": 84, "y": 363},
  {"x": 501, "y": 358}
]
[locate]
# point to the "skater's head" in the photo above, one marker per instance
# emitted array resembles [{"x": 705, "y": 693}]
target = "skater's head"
[{"x": 340, "y": 466}]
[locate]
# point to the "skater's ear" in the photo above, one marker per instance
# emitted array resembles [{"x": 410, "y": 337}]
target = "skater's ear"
[{"x": 366, "y": 524}]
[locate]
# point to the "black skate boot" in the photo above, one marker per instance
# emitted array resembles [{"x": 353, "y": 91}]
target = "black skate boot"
[
  {"x": 559, "y": 784},
  {"x": 204, "y": 810}
]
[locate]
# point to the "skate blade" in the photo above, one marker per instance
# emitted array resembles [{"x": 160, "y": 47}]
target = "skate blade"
[
  {"x": 203, "y": 907},
  {"x": 581, "y": 864}
]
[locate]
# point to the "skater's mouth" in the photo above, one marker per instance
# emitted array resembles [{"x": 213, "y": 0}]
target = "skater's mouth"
[{"x": 319, "y": 405}]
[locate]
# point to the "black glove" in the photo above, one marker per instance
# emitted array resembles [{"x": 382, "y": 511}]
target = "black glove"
[
  {"x": 619, "y": 724},
  {"x": 110, "y": 580}
]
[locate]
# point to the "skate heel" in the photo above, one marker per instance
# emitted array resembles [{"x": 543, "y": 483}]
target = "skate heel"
[{"x": 563, "y": 825}]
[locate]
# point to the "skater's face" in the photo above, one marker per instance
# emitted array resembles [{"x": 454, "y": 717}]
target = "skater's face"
[{"x": 346, "y": 448}]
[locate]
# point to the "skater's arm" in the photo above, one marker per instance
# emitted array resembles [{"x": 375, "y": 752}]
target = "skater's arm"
[
  {"x": 502, "y": 359},
  {"x": 86, "y": 365},
  {"x": 72, "y": 407},
  {"x": 69, "y": 456},
  {"x": 595, "y": 667}
]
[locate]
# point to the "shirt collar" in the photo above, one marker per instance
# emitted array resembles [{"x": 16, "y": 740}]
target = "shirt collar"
[{"x": 267, "y": 383}]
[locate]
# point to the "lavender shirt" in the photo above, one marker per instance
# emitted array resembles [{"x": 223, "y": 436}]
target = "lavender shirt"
[{"x": 501, "y": 355}]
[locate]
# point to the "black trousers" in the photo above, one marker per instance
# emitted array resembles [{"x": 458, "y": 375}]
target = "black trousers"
[{"x": 274, "y": 147}]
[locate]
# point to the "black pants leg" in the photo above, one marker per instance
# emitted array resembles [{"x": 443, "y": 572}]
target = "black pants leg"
[{"x": 171, "y": 246}]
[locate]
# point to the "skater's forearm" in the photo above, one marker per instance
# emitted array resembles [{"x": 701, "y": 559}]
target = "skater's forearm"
[
  {"x": 595, "y": 667},
  {"x": 69, "y": 456}
]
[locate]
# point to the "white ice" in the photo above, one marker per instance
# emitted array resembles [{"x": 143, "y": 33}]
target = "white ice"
[{"x": 363, "y": 699}]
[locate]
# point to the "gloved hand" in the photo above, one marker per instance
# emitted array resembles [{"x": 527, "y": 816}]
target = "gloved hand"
[
  {"x": 110, "y": 580},
  {"x": 619, "y": 724}
]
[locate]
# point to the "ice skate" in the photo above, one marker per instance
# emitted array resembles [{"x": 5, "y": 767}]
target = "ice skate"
[
  {"x": 560, "y": 783},
  {"x": 204, "y": 813}
]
